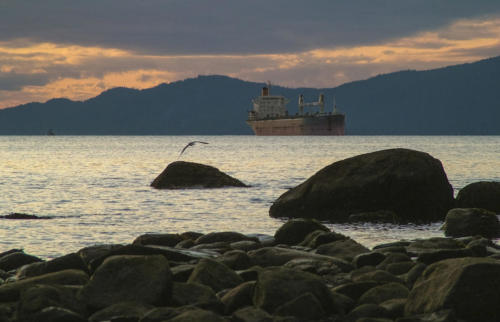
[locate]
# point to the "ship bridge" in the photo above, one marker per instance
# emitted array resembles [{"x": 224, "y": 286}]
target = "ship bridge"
[{"x": 268, "y": 106}]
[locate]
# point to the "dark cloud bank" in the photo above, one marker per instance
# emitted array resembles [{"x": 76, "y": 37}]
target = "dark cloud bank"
[{"x": 224, "y": 26}]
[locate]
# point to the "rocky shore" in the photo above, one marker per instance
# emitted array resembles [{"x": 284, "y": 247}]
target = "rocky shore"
[{"x": 305, "y": 272}]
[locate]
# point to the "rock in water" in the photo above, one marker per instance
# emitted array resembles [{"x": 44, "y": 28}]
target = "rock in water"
[
  {"x": 182, "y": 175},
  {"x": 462, "y": 222},
  {"x": 413, "y": 184},
  {"x": 482, "y": 194}
]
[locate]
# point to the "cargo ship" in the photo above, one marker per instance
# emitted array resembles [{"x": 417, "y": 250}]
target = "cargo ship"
[{"x": 269, "y": 116}]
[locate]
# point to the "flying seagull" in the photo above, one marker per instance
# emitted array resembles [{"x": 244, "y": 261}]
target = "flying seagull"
[{"x": 191, "y": 144}]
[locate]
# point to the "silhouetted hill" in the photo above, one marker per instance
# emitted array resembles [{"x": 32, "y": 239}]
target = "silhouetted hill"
[{"x": 462, "y": 99}]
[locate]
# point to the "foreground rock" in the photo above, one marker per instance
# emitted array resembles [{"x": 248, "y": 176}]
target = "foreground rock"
[
  {"x": 468, "y": 286},
  {"x": 409, "y": 183},
  {"x": 462, "y": 222},
  {"x": 144, "y": 279},
  {"x": 181, "y": 175},
  {"x": 308, "y": 273},
  {"x": 483, "y": 194}
]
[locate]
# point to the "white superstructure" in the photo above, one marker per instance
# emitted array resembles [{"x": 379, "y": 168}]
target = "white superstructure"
[{"x": 268, "y": 106}]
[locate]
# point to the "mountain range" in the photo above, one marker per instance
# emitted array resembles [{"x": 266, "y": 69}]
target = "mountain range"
[{"x": 455, "y": 100}]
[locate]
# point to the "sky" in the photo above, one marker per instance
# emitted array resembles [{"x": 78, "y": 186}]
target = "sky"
[{"x": 77, "y": 49}]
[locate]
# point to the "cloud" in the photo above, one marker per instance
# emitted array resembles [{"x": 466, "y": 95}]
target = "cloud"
[
  {"x": 195, "y": 27},
  {"x": 41, "y": 71}
]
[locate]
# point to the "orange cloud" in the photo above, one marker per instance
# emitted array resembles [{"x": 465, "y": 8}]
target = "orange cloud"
[{"x": 38, "y": 72}]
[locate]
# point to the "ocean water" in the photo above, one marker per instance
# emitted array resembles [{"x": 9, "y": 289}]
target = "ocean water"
[{"x": 97, "y": 190}]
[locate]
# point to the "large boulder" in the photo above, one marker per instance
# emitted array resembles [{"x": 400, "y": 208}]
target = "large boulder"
[
  {"x": 462, "y": 222},
  {"x": 145, "y": 279},
  {"x": 182, "y": 175},
  {"x": 410, "y": 183},
  {"x": 468, "y": 285},
  {"x": 482, "y": 194}
]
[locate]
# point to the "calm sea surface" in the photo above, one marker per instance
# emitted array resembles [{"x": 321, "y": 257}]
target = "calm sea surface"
[{"x": 97, "y": 187}]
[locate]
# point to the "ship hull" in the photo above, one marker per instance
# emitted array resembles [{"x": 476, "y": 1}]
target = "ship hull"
[{"x": 307, "y": 125}]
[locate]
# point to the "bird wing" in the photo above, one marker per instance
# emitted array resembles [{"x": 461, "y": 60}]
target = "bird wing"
[
  {"x": 201, "y": 142},
  {"x": 184, "y": 149}
]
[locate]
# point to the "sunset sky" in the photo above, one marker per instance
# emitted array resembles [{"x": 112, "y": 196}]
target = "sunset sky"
[{"x": 77, "y": 49}]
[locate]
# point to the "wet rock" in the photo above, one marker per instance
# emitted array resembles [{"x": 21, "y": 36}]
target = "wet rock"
[
  {"x": 21, "y": 216},
  {"x": 382, "y": 293},
  {"x": 224, "y": 236},
  {"x": 455, "y": 284},
  {"x": 69, "y": 261},
  {"x": 320, "y": 237},
  {"x": 432, "y": 244},
  {"x": 345, "y": 249},
  {"x": 277, "y": 256},
  {"x": 401, "y": 243},
  {"x": 124, "y": 311},
  {"x": 439, "y": 316},
  {"x": 250, "y": 274},
  {"x": 245, "y": 245},
  {"x": 276, "y": 287},
  {"x": 145, "y": 279},
  {"x": 395, "y": 307},
  {"x": 414, "y": 273},
  {"x": 461, "y": 222},
  {"x": 318, "y": 267},
  {"x": 441, "y": 254},
  {"x": 367, "y": 311},
  {"x": 305, "y": 307},
  {"x": 159, "y": 314},
  {"x": 400, "y": 268},
  {"x": 10, "y": 292},
  {"x": 342, "y": 303},
  {"x": 238, "y": 297},
  {"x": 181, "y": 273},
  {"x": 172, "y": 254},
  {"x": 235, "y": 259},
  {"x": 89, "y": 254},
  {"x": 296, "y": 230},
  {"x": 55, "y": 314},
  {"x": 368, "y": 259},
  {"x": 16, "y": 259},
  {"x": 379, "y": 276},
  {"x": 412, "y": 184},
  {"x": 181, "y": 175},
  {"x": 384, "y": 216},
  {"x": 215, "y": 275},
  {"x": 193, "y": 294},
  {"x": 158, "y": 239},
  {"x": 198, "y": 315},
  {"x": 391, "y": 258},
  {"x": 251, "y": 314},
  {"x": 39, "y": 297},
  {"x": 356, "y": 289},
  {"x": 483, "y": 194}
]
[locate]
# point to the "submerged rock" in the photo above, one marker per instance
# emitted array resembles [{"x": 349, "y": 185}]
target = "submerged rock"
[
  {"x": 16, "y": 215},
  {"x": 462, "y": 222},
  {"x": 182, "y": 175},
  {"x": 410, "y": 183}
]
